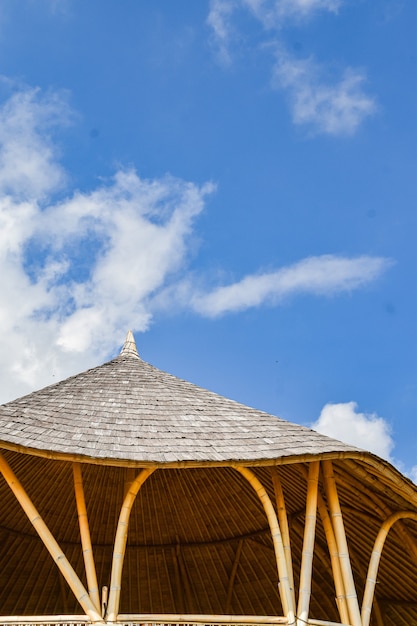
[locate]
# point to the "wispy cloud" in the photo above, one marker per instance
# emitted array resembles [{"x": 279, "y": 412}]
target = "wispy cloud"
[
  {"x": 272, "y": 14},
  {"x": 333, "y": 109},
  {"x": 219, "y": 20},
  {"x": 335, "y": 106},
  {"x": 322, "y": 275},
  {"x": 77, "y": 272}
]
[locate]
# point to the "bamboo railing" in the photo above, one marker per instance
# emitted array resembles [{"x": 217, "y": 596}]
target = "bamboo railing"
[{"x": 161, "y": 620}]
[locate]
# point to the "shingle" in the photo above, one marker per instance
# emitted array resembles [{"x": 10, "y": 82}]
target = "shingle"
[{"x": 127, "y": 409}]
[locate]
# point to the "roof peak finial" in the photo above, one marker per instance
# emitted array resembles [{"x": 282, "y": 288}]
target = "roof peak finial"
[{"x": 129, "y": 347}]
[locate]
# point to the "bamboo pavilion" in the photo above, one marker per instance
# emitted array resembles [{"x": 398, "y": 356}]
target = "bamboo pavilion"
[{"x": 130, "y": 496}]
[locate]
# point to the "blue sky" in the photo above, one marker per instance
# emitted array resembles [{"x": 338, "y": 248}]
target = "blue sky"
[{"x": 234, "y": 180}]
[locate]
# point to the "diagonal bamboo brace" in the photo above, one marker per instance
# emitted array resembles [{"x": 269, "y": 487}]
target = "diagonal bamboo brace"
[{"x": 50, "y": 542}]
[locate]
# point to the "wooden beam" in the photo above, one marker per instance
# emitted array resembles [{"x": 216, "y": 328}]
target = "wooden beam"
[
  {"x": 375, "y": 559},
  {"x": 49, "y": 541},
  {"x": 308, "y": 544},
  {"x": 90, "y": 568},
  {"x": 340, "y": 536},
  {"x": 283, "y": 524},
  {"x": 120, "y": 543},
  {"x": 284, "y": 587}
]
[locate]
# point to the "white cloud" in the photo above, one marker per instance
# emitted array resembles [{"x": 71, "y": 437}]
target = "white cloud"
[
  {"x": 322, "y": 275},
  {"x": 367, "y": 431},
  {"x": 28, "y": 165},
  {"x": 75, "y": 274},
  {"x": 333, "y": 109}
]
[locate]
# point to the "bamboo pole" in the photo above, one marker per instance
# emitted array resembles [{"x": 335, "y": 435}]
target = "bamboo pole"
[
  {"x": 322, "y": 622},
  {"x": 233, "y": 575},
  {"x": 90, "y": 567},
  {"x": 172, "y": 618},
  {"x": 49, "y": 541},
  {"x": 340, "y": 536},
  {"x": 308, "y": 544},
  {"x": 377, "y": 614},
  {"x": 334, "y": 560},
  {"x": 334, "y": 555},
  {"x": 120, "y": 544},
  {"x": 72, "y": 620},
  {"x": 284, "y": 587},
  {"x": 283, "y": 524},
  {"x": 375, "y": 559},
  {"x": 104, "y": 600}
]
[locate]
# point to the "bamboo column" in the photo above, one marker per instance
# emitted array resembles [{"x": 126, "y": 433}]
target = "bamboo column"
[
  {"x": 334, "y": 555},
  {"x": 120, "y": 544},
  {"x": 284, "y": 588},
  {"x": 308, "y": 544},
  {"x": 90, "y": 568},
  {"x": 334, "y": 560},
  {"x": 368, "y": 595},
  {"x": 283, "y": 524},
  {"x": 50, "y": 542},
  {"x": 339, "y": 532}
]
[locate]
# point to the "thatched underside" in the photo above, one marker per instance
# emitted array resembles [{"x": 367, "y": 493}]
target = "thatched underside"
[{"x": 190, "y": 529}]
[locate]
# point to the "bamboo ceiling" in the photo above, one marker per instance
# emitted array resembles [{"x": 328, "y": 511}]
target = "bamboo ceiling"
[{"x": 199, "y": 541}]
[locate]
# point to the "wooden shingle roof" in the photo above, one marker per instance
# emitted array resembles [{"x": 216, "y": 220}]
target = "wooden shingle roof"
[{"x": 127, "y": 411}]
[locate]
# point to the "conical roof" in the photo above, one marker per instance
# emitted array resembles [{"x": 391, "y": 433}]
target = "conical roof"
[{"x": 129, "y": 412}]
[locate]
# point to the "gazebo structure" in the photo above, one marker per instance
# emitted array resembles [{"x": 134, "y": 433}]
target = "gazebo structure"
[{"x": 130, "y": 496}]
